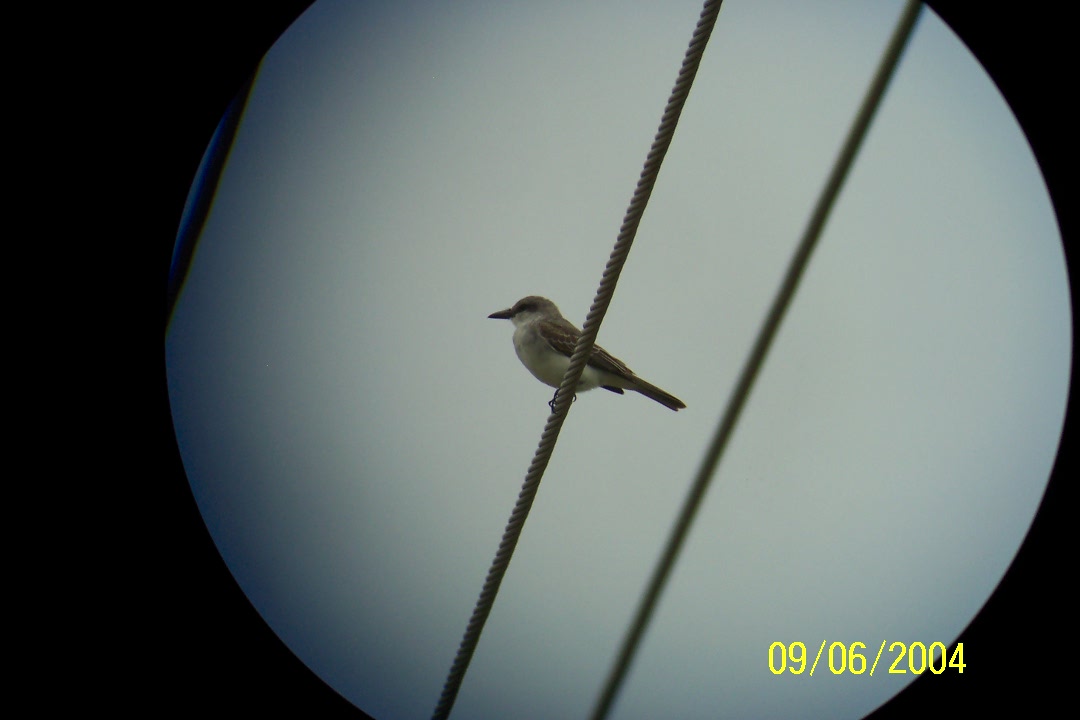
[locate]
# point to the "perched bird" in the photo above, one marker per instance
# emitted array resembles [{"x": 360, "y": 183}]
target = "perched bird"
[{"x": 545, "y": 340}]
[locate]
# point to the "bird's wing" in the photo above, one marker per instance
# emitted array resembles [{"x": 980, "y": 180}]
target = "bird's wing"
[{"x": 563, "y": 339}]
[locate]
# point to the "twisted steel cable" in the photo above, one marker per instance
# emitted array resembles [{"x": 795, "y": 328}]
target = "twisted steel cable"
[
  {"x": 649, "y": 173},
  {"x": 887, "y": 66}
]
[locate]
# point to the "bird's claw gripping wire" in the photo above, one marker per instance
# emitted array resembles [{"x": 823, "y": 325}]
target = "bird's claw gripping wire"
[{"x": 551, "y": 403}]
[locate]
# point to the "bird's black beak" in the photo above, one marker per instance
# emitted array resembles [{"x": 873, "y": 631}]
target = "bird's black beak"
[{"x": 502, "y": 314}]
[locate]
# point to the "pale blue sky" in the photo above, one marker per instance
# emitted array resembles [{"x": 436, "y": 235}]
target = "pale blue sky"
[{"x": 356, "y": 430}]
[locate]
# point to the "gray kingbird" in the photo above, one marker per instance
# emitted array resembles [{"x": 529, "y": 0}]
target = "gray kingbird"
[{"x": 545, "y": 340}]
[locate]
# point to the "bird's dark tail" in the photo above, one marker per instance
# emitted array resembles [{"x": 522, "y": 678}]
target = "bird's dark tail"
[{"x": 654, "y": 393}]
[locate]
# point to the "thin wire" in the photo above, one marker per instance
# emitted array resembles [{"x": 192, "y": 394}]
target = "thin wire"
[
  {"x": 754, "y": 361},
  {"x": 555, "y": 420}
]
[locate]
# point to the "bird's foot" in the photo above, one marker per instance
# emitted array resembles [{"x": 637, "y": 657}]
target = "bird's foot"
[{"x": 551, "y": 403}]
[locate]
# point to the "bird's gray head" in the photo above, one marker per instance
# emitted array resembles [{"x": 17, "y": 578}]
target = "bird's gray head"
[{"x": 527, "y": 309}]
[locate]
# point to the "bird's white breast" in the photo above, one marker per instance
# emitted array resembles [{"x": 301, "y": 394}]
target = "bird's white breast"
[{"x": 546, "y": 364}]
